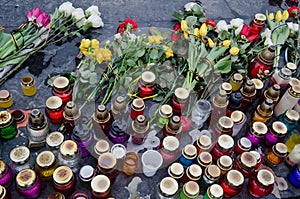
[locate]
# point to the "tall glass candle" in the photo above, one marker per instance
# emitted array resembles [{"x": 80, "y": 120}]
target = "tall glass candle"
[
  {"x": 83, "y": 137},
  {"x": 239, "y": 118},
  {"x": 100, "y": 187},
  {"x": 62, "y": 89},
  {"x": 118, "y": 133},
  {"x": 276, "y": 154},
  {"x": 28, "y": 86},
  {"x": 6, "y": 100},
  {"x": 107, "y": 165},
  {"x": 147, "y": 84},
  {"x": 54, "y": 110},
  {"x": 232, "y": 183},
  {"x": 235, "y": 103},
  {"x": 71, "y": 114},
  {"x": 28, "y": 184},
  {"x": 119, "y": 108},
  {"x": 37, "y": 127},
  {"x": 173, "y": 127},
  {"x": 8, "y": 126},
  {"x": 64, "y": 180},
  {"x": 219, "y": 106},
  {"x": 69, "y": 155},
  {"x": 179, "y": 100},
  {"x": 272, "y": 93},
  {"x": 6, "y": 174},
  {"x": 137, "y": 108},
  {"x": 282, "y": 78},
  {"x": 248, "y": 92},
  {"x": 293, "y": 158},
  {"x": 261, "y": 183},
  {"x": 264, "y": 111},
  {"x": 139, "y": 129},
  {"x": 223, "y": 146},
  {"x": 294, "y": 176},
  {"x": 102, "y": 118},
  {"x": 236, "y": 81},
  {"x": 165, "y": 113}
]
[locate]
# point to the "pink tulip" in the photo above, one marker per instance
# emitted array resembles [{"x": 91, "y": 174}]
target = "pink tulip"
[
  {"x": 32, "y": 15},
  {"x": 43, "y": 20},
  {"x": 29, "y": 16}
]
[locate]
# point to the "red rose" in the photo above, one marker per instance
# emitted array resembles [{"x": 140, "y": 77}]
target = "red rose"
[
  {"x": 294, "y": 11},
  {"x": 128, "y": 24},
  {"x": 177, "y": 27},
  {"x": 211, "y": 23},
  {"x": 185, "y": 123}
]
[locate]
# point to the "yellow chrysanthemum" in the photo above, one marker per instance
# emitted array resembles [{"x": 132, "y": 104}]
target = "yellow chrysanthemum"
[
  {"x": 285, "y": 15},
  {"x": 271, "y": 16},
  {"x": 95, "y": 43},
  {"x": 234, "y": 51},
  {"x": 84, "y": 46},
  {"x": 168, "y": 51},
  {"x": 155, "y": 39},
  {"x": 103, "y": 54},
  {"x": 184, "y": 25},
  {"x": 203, "y": 30},
  {"x": 278, "y": 16},
  {"x": 210, "y": 42},
  {"x": 226, "y": 43}
]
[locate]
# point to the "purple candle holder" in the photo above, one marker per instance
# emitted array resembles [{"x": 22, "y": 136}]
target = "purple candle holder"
[
  {"x": 256, "y": 133},
  {"x": 28, "y": 184},
  {"x": 6, "y": 174}
]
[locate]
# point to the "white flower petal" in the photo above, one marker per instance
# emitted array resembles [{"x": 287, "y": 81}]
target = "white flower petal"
[
  {"x": 237, "y": 22},
  {"x": 93, "y": 10},
  {"x": 96, "y": 21},
  {"x": 221, "y": 25},
  {"x": 66, "y": 8},
  {"x": 78, "y": 14},
  {"x": 189, "y": 6}
]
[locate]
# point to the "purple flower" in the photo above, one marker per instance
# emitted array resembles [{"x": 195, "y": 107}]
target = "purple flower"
[
  {"x": 43, "y": 20},
  {"x": 31, "y": 15}
]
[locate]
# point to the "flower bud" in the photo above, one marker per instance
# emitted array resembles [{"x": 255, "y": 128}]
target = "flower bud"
[
  {"x": 184, "y": 25},
  {"x": 234, "y": 51},
  {"x": 210, "y": 42},
  {"x": 197, "y": 32},
  {"x": 271, "y": 16},
  {"x": 278, "y": 16},
  {"x": 285, "y": 15},
  {"x": 226, "y": 43},
  {"x": 203, "y": 30}
]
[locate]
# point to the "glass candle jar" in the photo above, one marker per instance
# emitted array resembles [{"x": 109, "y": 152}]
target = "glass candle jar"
[
  {"x": 69, "y": 155},
  {"x": 167, "y": 188},
  {"x": 211, "y": 175},
  {"x": 6, "y": 100},
  {"x": 226, "y": 87},
  {"x": 190, "y": 190},
  {"x": 224, "y": 126},
  {"x": 259, "y": 159},
  {"x": 70, "y": 115},
  {"x": 20, "y": 157},
  {"x": 6, "y": 174},
  {"x": 293, "y": 158},
  {"x": 234, "y": 103},
  {"x": 54, "y": 140},
  {"x": 272, "y": 93},
  {"x": 188, "y": 155},
  {"x": 204, "y": 159},
  {"x": 192, "y": 173},
  {"x": 101, "y": 146},
  {"x": 119, "y": 151},
  {"x": 130, "y": 163},
  {"x": 56, "y": 195},
  {"x": 256, "y": 133},
  {"x": 139, "y": 129},
  {"x": 170, "y": 149},
  {"x": 137, "y": 108},
  {"x": 173, "y": 127},
  {"x": 175, "y": 171},
  {"x": 19, "y": 116},
  {"x": 165, "y": 113},
  {"x": 117, "y": 134},
  {"x": 242, "y": 145},
  {"x": 107, "y": 165},
  {"x": 215, "y": 191},
  {"x": 102, "y": 118},
  {"x": 62, "y": 89},
  {"x": 179, "y": 100},
  {"x": 225, "y": 164},
  {"x": 245, "y": 163},
  {"x": 239, "y": 118},
  {"x": 261, "y": 183},
  {"x": 37, "y": 127},
  {"x": 28, "y": 184},
  {"x": 119, "y": 108},
  {"x": 223, "y": 146},
  {"x": 64, "y": 180},
  {"x": 28, "y": 86},
  {"x": 86, "y": 174},
  {"x": 236, "y": 81},
  {"x": 100, "y": 187},
  {"x": 276, "y": 154},
  {"x": 290, "y": 118},
  {"x": 147, "y": 84},
  {"x": 276, "y": 133},
  {"x": 219, "y": 107},
  {"x": 203, "y": 143},
  {"x": 79, "y": 195},
  {"x": 45, "y": 165},
  {"x": 248, "y": 92},
  {"x": 54, "y": 110},
  {"x": 264, "y": 111},
  {"x": 83, "y": 137},
  {"x": 282, "y": 78},
  {"x": 232, "y": 183},
  {"x": 294, "y": 176},
  {"x": 258, "y": 24},
  {"x": 4, "y": 194},
  {"x": 8, "y": 126}
]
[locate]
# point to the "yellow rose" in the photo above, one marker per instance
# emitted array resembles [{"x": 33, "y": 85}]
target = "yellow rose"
[
  {"x": 210, "y": 42},
  {"x": 186, "y": 35},
  {"x": 271, "y": 16},
  {"x": 184, "y": 26},
  {"x": 168, "y": 51},
  {"x": 196, "y": 32},
  {"x": 226, "y": 43},
  {"x": 278, "y": 16},
  {"x": 106, "y": 54},
  {"x": 95, "y": 43},
  {"x": 203, "y": 30},
  {"x": 155, "y": 39},
  {"x": 285, "y": 15},
  {"x": 85, "y": 43},
  {"x": 234, "y": 51}
]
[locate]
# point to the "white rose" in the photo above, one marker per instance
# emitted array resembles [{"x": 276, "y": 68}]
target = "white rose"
[
  {"x": 268, "y": 42},
  {"x": 78, "y": 14},
  {"x": 293, "y": 26},
  {"x": 189, "y": 6},
  {"x": 66, "y": 8},
  {"x": 221, "y": 25},
  {"x": 237, "y": 22},
  {"x": 266, "y": 33},
  {"x": 238, "y": 30},
  {"x": 93, "y": 10},
  {"x": 96, "y": 21}
]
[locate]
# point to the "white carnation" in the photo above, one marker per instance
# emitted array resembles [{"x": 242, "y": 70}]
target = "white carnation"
[
  {"x": 93, "y": 10},
  {"x": 117, "y": 36},
  {"x": 78, "y": 14},
  {"x": 237, "y": 22},
  {"x": 189, "y": 6},
  {"x": 266, "y": 33},
  {"x": 221, "y": 25},
  {"x": 293, "y": 26},
  {"x": 66, "y": 8},
  {"x": 96, "y": 21}
]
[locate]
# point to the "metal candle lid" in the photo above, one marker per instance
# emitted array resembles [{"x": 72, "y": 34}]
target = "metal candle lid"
[
  {"x": 291, "y": 66},
  {"x": 259, "y": 129},
  {"x": 62, "y": 175},
  {"x": 168, "y": 186},
  {"x": 266, "y": 108},
  {"x": 170, "y": 143},
  {"x": 26, "y": 178},
  {"x": 119, "y": 105},
  {"x": 248, "y": 159},
  {"x": 140, "y": 125},
  {"x": 237, "y": 77},
  {"x": 138, "y": 104},
  {"x": 225, "y": 141},
  {"x": 294, "y": 81},
  {"x": 248, "y": 89},
  {"x": 204, "y": 141},
  {"x": 5, "y": 118},
  {"x": 258, "y": 83},
  {"x": 181, "y": 94},
  {"x": 101, "y": 146},
  {"x": 174, "y": 125},
  {"x": 225, "y": 123},
  {"x": 69, "y": 148},
  {"x": 245, "y": 143},
  {"x": 176, "y": 169},
  {"x": 2, "y": 167},
  {"x": 5, "y": 96},
  {"x": 279, "y": 128},
  {"x": 54, "y": 139},
  {"x": 235, "y": 178},
  {"x": 204, "y": 158},
  {"x": 101, "y": 114},
  {"x": 273, "y": 93},
  {"x": 225, "y": 162},
  {"x": 220, "y": 99},
  {"x": 100, "y": 184},
  {"x": 295, "y": 91},
  {"x": 265, "y": 177},
  {"x": 54, "y": 102},
  {"x": 189, "y": 151},
  {"x": 226, "y": 87},
  {"x": 45, "y": 159},
  {"x": 148, "y": 78},
  {"x": 213, "y": 172},
  {"x": 280, "y": 149},
  {"x": 86, "y": 173},
  {"x": 71, "y": 111},
  {"x": 260, "y": 18},
  {"x": 194, "y": 171},
  {"x": 27, "y": 81},
  {"x": 166, "y": 111},
  {"x": 56, "y": 195},
  {"x": 292, "y": 115},
  {"x": 61, "y": 83},
  {"x": 19, "y": 155},
  {"x": 215, "y": 191},
  {"x": 285, "y": 73},
  {"x": 107, "y": 160},
  {"x": 237, "y": 117},
  {"x": 191, "y": 189}
]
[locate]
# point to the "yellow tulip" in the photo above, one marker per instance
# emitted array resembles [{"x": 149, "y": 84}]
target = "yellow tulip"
[
  {"x": 95, "y": 43},
  {"x": 285, "y": 15},
  {"x": 203, "y": 30},
  {"x": 196, "y": 32},
  {"x": 210, "y": 42},
  {"x": 226, "y": 43},
  {"x": 85, "y": 43},
  {"x": 186, "y": 35},
  {"x": 184, "y": 25},
  {"x": 271, "y": 16},
  {"x": 278, "y": 16},
  {"x": 155, "y": 39},
  {"x": 168, "y": 51},
  {"x": 234, "y": 51}
]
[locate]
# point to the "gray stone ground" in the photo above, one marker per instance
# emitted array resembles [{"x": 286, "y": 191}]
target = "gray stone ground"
[{"x": 59, "y": 59}]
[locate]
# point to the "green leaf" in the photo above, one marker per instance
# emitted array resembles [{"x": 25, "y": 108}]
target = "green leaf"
[
  {"x": 4, "y": 38},
  {"x": 283, "y": 35},
  {"x": 223, "y": 66},
  {"x": 12, "y": 62},
  {"x": 178, "y": 16},
  {"x": 130, "y": 62},
  {"x": 191, "y": 21},
  {"x": 234, "y": 58},
  {"x": 154, "y": 54},
  {"x": 223, "y": 35}
]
